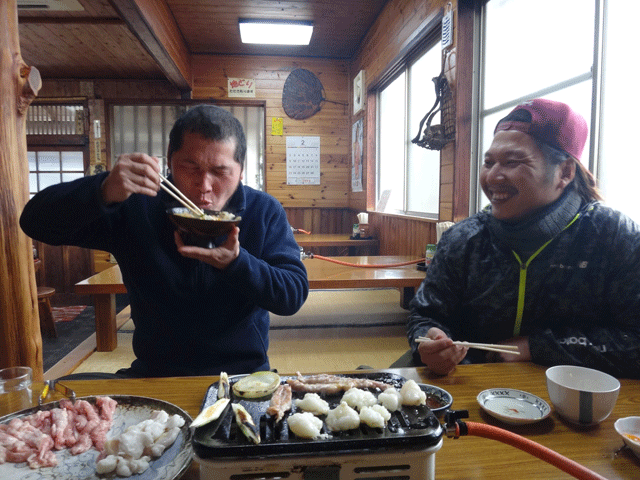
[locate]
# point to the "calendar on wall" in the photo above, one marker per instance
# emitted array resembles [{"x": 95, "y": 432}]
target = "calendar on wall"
[{"x": 303, "y": 160}]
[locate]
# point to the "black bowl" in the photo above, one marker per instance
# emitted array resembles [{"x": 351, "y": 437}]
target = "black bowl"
[
  {"x": 200, "y": 227},
  {"x": 438, "y": 400}
]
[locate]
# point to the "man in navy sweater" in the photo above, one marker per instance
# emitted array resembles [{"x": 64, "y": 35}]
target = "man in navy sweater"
[{"x": 197, "y": 311}]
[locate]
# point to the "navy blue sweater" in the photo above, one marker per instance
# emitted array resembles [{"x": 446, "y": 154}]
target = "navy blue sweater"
[{"x": 190, "y": 318}]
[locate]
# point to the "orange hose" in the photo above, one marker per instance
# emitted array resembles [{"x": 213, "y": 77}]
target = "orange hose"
[
  {"x": 554, "y": 458},
  {"x": 367, "y": 265}
]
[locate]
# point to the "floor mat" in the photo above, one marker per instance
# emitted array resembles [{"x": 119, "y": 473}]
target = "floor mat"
[{"x": 67, "y": 314}]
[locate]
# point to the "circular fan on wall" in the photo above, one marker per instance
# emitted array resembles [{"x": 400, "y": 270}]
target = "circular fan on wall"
[{"x": 303, "y": 94}]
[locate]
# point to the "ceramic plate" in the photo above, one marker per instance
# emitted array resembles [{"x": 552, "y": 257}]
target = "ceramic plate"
[
  {"x": 131, "y": 410},
  {"x": 513, "y": 406}
]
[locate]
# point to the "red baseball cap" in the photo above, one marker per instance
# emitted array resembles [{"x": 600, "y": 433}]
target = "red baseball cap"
[{"x": 554, "y": 123}]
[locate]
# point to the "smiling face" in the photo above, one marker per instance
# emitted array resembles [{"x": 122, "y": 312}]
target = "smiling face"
[
  {"x": 205, "y": 170},
  {"x": 516, "y": 178}
]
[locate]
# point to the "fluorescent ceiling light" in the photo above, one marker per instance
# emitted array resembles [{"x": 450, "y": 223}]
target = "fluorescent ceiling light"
[{"x": 275, "y": 32}]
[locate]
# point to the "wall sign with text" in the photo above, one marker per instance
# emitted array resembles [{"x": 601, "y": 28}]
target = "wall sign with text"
[{"x": 241, "y": 87}]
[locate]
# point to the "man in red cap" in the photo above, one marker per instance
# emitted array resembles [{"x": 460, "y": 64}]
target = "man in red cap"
[{"x": 545, "y": 266}]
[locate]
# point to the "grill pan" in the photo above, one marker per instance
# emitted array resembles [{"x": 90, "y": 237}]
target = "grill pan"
[{"x": 408, "y": 428}]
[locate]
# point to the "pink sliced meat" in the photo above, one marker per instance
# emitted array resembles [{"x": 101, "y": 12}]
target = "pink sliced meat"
[{"x": 78, "y": 426}]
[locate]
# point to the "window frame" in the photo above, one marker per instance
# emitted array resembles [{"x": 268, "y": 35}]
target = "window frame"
[
  {"x": 59, "y": 149},
  {"x": 44, "y": 139},
  {"x": 429, "y": 36},
  {"x": 595, "y": 76},
  {"x": 109, "y": 104}
]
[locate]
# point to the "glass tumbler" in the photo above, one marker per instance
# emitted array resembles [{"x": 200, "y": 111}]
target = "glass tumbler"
[{"x": 15, "y": 389}]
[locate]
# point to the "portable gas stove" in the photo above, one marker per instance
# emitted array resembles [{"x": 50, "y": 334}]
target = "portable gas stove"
[{"x": 404, "y": 450}]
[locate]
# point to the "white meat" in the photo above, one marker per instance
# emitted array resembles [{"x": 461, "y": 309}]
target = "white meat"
[
  {"x": 358, "y": 398},
  {"x": 312, "y": 403},
  {"x": 412, "y": 395},
  {"x": 134, "y": 448},
  {"x": 390, "y": 399},
  {"x": 343, "y": 417},
  {"x": 375, "y": 416},
  {"x": 305, "y": 425}
]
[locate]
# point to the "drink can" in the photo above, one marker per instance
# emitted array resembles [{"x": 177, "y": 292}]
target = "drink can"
[{"x": 430, "y": 252}]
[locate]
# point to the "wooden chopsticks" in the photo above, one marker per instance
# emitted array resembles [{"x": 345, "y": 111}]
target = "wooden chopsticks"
[
  {"x": 178, "y": 195},
  {"x": 490, "y": 347}
]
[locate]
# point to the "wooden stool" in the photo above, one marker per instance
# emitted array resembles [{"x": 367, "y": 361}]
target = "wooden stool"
[{"x": 44, "y": 308}]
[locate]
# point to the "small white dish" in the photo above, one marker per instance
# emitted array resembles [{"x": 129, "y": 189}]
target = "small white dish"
[
  {"x": 629, "y": 426},
  {"x": 513, "y": 406}
]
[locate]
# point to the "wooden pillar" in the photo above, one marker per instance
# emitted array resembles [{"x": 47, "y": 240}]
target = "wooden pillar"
[{"x": 20, "y": 339}]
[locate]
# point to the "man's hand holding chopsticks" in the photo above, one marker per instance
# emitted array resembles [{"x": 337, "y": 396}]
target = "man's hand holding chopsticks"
[
  {"x": 132, "y": 173},
  {"x": 440, "y": 354},
  {"x": 522, "y": 344}
]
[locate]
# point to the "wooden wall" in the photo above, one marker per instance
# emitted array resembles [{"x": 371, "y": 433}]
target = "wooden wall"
[
  {"x": 323, "y": 208},
  {"x": 395, "y": 32},
  {"x": 331, "y": 206}
]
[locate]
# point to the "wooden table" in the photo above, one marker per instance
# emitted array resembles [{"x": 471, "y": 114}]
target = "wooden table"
[
  {"x": 368, "y": 246},
  {"x": 103, "y": 286},
  {"x": 327, "y": 274},
  {"x": 468, "y": 457}
]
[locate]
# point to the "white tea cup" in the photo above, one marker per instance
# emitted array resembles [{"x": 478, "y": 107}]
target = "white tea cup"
[{"x": 583, "y": 396}]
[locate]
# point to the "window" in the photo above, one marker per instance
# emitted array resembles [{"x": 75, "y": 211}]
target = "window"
[
  {"x": 48, "y": 126},
  {"x": 574, "y": 51},
  {"x": 145, "y": 128},
  {"x": 407, "y": 173},
  {"x": 52, "y": 167}
]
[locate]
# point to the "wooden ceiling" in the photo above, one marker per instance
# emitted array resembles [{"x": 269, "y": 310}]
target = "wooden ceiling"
[{"x": 127, "y": 39}]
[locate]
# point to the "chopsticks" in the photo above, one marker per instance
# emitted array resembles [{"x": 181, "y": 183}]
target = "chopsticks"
[
  {"x": 178, "y": 195},
  {"x": 490, "y": 347}
]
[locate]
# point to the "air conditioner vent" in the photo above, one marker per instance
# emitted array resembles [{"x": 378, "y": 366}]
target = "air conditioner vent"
[{"x": 51, "y": 5}]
